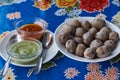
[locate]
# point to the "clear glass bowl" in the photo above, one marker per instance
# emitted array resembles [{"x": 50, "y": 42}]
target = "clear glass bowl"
[
  {"x": 33, "y": 28},
  {"x": 24, "y": 51}
]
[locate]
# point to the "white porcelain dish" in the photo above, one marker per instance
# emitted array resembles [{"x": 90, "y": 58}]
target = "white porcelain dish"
[
  {"x": 50, "y": 53},
  {"x": 82, "y": 59}
]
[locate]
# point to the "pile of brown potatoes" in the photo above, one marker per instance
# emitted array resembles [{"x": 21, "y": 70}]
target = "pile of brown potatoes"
[{"x": 88, "y": 39}]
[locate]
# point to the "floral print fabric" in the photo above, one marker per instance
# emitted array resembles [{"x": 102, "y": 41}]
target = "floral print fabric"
[
  {"x": 93, "y": 5},
  {"x": 55, "y": 12}
]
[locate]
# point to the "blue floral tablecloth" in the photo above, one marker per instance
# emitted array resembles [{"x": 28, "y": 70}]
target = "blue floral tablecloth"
[{"x": 55, "y": 12}]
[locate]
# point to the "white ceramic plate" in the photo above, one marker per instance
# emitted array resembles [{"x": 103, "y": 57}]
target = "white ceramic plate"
[
  {"x": 50, "y": 53},
  {"x": 72, "y": 56}
]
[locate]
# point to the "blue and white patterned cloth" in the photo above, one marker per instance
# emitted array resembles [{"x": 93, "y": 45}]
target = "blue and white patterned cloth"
[{"x": 55, "y": 12}]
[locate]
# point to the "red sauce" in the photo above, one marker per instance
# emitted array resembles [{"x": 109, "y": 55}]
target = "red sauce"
[
  {"x": 31, "y": 27},
  {"x": 32, "y": 30}
]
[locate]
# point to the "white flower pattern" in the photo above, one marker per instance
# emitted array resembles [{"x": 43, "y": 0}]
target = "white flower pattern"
[
  {"x": 101, "y": 16},
  {"x": 60, "y": 12},
  {"x": 116, "y": 2},
  {"x": 12, "y": 16},
  {"x": 116, "y": 19},
  {"x": 5, "y": 2},
  {"x": 10, "y": 75}
]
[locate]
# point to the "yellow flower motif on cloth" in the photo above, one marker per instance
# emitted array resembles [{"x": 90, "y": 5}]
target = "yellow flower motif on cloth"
[
  {"x": 4, "y": 34},
  {"x": 101, "y": 16},
  {"x": 93, "y": 67},
  {"x": 112, "y": 73},
  {"x": 95, "y": 73},
  {"x": 15, "y": 15},
  {"x": 116, "y": 19},
  {"x": 10, "y": 75},
  {"x": 94, "y": 76},
  {"x": 43, "y": 4},
  {"x": 65, "y": 3}
]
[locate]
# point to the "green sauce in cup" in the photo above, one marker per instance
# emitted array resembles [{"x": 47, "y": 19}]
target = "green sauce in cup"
[
  {"x": 24, "y": 52},
  {"x": 24, "y": 47}
]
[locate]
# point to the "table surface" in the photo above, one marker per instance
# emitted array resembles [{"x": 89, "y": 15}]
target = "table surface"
[{"x": 54, "y": 12}]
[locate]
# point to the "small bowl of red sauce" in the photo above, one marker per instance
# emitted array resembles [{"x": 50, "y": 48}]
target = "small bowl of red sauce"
[{"x": 31, "y": 28}]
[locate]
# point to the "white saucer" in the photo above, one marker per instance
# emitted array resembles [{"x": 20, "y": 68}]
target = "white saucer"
[{"x": 50, "y": 53}]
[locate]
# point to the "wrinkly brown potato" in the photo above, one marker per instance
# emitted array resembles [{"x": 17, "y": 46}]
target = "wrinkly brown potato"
[
  {"x": 87, "y": 38},
  {"x": 86, "y": 25},
  {"x": 96, "y": 43},
  {"x": 105, "y": 29},
  {"x": 98, "y": 23},
  {"x": 89, "y": 53},
  {"x": 103, "y": 51},
  {"x": 103, "y": 36},
  {"x": 114, "y": 36},
  {"x": 79, "y": 32},
  {"x": 110, "y": 44},
  {"x": 63, "y": 37},
  {"x": 80, "y": 49},
  {"x": 78, "y": 39},
  {"x": 67, "y": 29},
  {"x": 75, "y": 23},
  {"x": 70, "y": 45},
  {"x": 93, "y": 31}
]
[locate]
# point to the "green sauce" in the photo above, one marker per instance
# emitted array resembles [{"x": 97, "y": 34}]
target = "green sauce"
[
  {"x": 24, "y": 47},
  {"x": 28, "y": 49}
]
